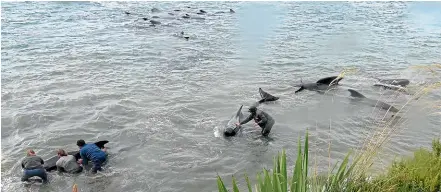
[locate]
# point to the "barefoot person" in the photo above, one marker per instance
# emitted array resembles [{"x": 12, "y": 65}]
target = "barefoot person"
[
  {"x": 67, "y": 163},
  {"x": 33, "y": 166}
]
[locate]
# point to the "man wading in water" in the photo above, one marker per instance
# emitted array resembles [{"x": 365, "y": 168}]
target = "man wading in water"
[{"x": 264, "y": 120}]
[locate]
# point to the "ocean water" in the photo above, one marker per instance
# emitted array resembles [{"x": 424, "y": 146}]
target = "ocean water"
[{"x": 86, "y": 70}]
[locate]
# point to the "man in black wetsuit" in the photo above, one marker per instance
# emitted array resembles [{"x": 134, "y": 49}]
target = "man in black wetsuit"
[{"x": 265, "y": 121}]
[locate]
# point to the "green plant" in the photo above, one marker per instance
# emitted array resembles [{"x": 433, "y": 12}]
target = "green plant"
[
  {"x": 277, "y": 180},
  {"x": 420, "y": 173}
]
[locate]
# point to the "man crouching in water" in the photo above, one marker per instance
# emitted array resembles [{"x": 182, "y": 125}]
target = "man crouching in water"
[
  {"x": 264, "y": 120},
  {"x": 93, "y": 153},
  {"x": 33, "y": 166}
]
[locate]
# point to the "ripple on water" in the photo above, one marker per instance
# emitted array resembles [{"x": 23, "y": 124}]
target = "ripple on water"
[{"x": 87, "y": 70}]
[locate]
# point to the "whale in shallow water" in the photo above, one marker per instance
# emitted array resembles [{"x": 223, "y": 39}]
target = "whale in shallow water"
[
  {"x": 322, "y": 84},
  {"x": 372, "y": 102},
  {"x": 395, "y": 84},
  {"x": 265, "y": 97},
  {"x": 49, "y": 164},
  {"x": 400, "y": 82},
  {"x": 231, "y": 129}
]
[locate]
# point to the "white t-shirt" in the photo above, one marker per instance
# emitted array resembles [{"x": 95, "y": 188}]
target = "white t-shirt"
[{"x": 68, "y": 163}]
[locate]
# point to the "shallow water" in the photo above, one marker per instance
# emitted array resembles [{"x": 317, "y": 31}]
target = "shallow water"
[{"x": 86, "y": 70}]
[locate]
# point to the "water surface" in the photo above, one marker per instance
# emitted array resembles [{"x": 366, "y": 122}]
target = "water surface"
[{"x": 85, "y": 70}]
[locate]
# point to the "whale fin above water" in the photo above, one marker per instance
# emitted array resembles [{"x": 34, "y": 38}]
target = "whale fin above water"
[
  {"x": 239, "y": 114},
  {"x": 266, "y": 96},
  {"x": 329, "y": 80},
  {"x": 356, "y": 94}
]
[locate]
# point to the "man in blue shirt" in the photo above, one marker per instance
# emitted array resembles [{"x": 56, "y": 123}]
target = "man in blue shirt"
[{"x": 93, "y": 153}]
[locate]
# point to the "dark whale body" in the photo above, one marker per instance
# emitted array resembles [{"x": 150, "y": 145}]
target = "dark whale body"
[
  {"x": 322, "y": 84},
  {"x": 394, "y": 84},
  {"x": 373, "y": 103}
]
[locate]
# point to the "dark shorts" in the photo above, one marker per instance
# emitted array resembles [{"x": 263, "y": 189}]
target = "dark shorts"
[{"x": 34, "y": 172}]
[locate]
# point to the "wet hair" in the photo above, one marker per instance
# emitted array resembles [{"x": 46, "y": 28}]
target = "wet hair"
[
  {"x": 61, "y": 152},
  {"x": 81, "y": 143},
  {"x": 252, "y": 109}
]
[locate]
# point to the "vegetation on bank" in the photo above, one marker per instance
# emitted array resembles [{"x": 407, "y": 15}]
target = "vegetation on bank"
[{"x": 420, "y": 173}]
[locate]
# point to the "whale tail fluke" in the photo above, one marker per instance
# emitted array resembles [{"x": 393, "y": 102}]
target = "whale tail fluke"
[
  {"x": 266, "y": 96},
  {"x": 301, "y": 89}
]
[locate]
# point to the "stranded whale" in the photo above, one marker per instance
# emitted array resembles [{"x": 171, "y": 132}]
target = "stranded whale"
[{"x": 231, "y": 129}]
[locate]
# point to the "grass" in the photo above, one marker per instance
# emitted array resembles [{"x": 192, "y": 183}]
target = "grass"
[
  {"x": 420, "y": 173},
  {"x": 277, "y": 180}
]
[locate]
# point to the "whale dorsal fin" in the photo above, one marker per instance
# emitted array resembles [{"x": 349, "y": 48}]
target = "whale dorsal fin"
[
  {"x": 239, "y": 112},
  {"x": 328, "y": 80},
  {"x": 356, "y": 94}
]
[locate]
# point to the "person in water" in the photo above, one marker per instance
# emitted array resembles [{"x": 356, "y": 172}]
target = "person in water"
[
  {"x": 67, "y": 163},
  {"x": 33, "y": 166},
  {"x": 93, "y": 153},
  {"x": 264, "y": 120}
]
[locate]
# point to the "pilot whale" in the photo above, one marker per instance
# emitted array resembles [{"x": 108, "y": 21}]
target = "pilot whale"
[
  {"x": 231, "y": 129},
  {"x": 394, "y": 84},
  {"x": 322, "y": 84},
  {"x": 372, "y": 102}
]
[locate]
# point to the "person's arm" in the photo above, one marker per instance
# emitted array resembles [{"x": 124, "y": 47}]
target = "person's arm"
[
  {"x": 263, "y": 119},
  {"x": 247, "y": 119},
  {"x": 84, "y": 159},
  {"x": 42, "y": 161},
  {"x": 22, "y": 164}
]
